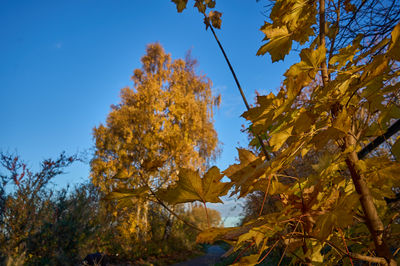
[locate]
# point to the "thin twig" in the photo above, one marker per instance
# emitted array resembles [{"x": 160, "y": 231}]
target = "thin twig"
[
  {"x": 351, "y": 254},
  {"x": 243, "y": 251},
  {"x": 345, "y": 245},
  {"x": 240, "y": 88},
  {"x": 166, "y": 207},
  {"x": 265, "y": 195},
  {"x": 208, "y": 218},
  {"x": 263, "y": 258},
  {"x": 284, "y": 252}
]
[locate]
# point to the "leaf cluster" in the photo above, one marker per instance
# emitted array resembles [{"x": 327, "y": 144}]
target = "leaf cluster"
[{"x": 331, "y": 104}]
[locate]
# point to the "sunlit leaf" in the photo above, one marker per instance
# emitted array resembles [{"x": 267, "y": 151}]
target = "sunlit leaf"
[
  {"x": 280, "y": 137},
  {"x": 244, "y": 174},
  {"x": 191, "y": 187},
  {"x": 279, "y": 42},
  {"x": 346, "y": 54},
  {"x": 394, "y": 49}
]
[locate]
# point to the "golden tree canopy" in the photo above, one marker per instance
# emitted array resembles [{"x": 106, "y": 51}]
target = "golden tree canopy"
[{"x": 164, "y": 122}]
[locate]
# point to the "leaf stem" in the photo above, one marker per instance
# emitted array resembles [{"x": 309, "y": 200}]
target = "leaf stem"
[
  {"x": 243, "y": 251},
  {"x": 266, "y": 255},
  {"x": 168, "y": 209},
  {"x": 265, "y": 195},
  {"x": 345, "y": 245},
  {"x": 208, "y": 218}
]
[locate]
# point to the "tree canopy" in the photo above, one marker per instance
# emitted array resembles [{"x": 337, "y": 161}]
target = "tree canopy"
[{"x": 163, "y": 123}]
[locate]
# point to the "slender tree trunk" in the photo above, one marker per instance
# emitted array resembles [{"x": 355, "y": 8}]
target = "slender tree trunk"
[
  {"x": 145, "y": 221},
  {"x": 168, "y": 225},
  {"x": 373, "y": 221},
  {"x": 322, "y": 34},
  {"x": 138, "y": 211}
]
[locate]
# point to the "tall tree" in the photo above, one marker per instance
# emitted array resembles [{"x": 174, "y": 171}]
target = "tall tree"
[{"x": 164, "y": 122}]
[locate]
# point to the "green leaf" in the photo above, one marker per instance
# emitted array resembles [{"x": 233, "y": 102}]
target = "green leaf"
[{"x": 191, "y": 187}]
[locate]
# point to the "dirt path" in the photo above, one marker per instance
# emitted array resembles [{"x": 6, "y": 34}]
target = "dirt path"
[{"x": 210, "y": 258}]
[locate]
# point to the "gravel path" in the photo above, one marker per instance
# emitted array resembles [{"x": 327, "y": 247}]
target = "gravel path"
[{"x": 210, "y": 258}]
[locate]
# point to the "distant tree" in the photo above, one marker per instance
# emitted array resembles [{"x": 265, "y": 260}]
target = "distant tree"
[
  {"x": 197, "y": 216},
  {"x": 161, "y": 124}
]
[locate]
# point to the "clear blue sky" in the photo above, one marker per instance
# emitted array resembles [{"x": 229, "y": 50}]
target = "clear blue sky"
[{"x": 64, "y": 62}]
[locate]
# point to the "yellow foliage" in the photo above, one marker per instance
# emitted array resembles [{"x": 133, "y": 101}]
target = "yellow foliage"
[{"x": 163, "y": 123}]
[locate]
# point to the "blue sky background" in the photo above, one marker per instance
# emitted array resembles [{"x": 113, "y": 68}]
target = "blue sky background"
[{"x": 63, "y": 64}]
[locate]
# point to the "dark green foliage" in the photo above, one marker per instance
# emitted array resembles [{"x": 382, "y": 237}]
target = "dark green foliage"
[{"x": 39, "y": 226}]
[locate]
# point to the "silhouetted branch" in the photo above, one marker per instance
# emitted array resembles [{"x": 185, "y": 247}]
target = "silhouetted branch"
[{"x": 379, "y": 140}]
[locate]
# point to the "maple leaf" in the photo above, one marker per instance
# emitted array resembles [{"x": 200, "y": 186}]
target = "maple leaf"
[
  {"x": 280, "y": 42},
  {"x": 210, "y": 235},
  {"x": 210, "y": 3},
  {"x": 215, "y": 18},
  {"x": 396, "y": 149},
  {"x": 248, "y": 260},
  {"x": 200, "y": 6},
  {"x": 191, "y": 187},
  {"x": 249, "y": 170},
  {"x": 127, "y": 193},
  {"x": 180, "y": 4},
  {"x": 395, "y": 44}
]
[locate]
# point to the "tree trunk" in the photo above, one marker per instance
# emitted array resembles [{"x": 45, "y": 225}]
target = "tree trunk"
[
  {"x": 167, "y": 227},
  {"x": 373, "y": 221},
  {"x": 324, "y": 68},
  {"x": 145, "y": 220},
  {"x": 138, "y": 210}
]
